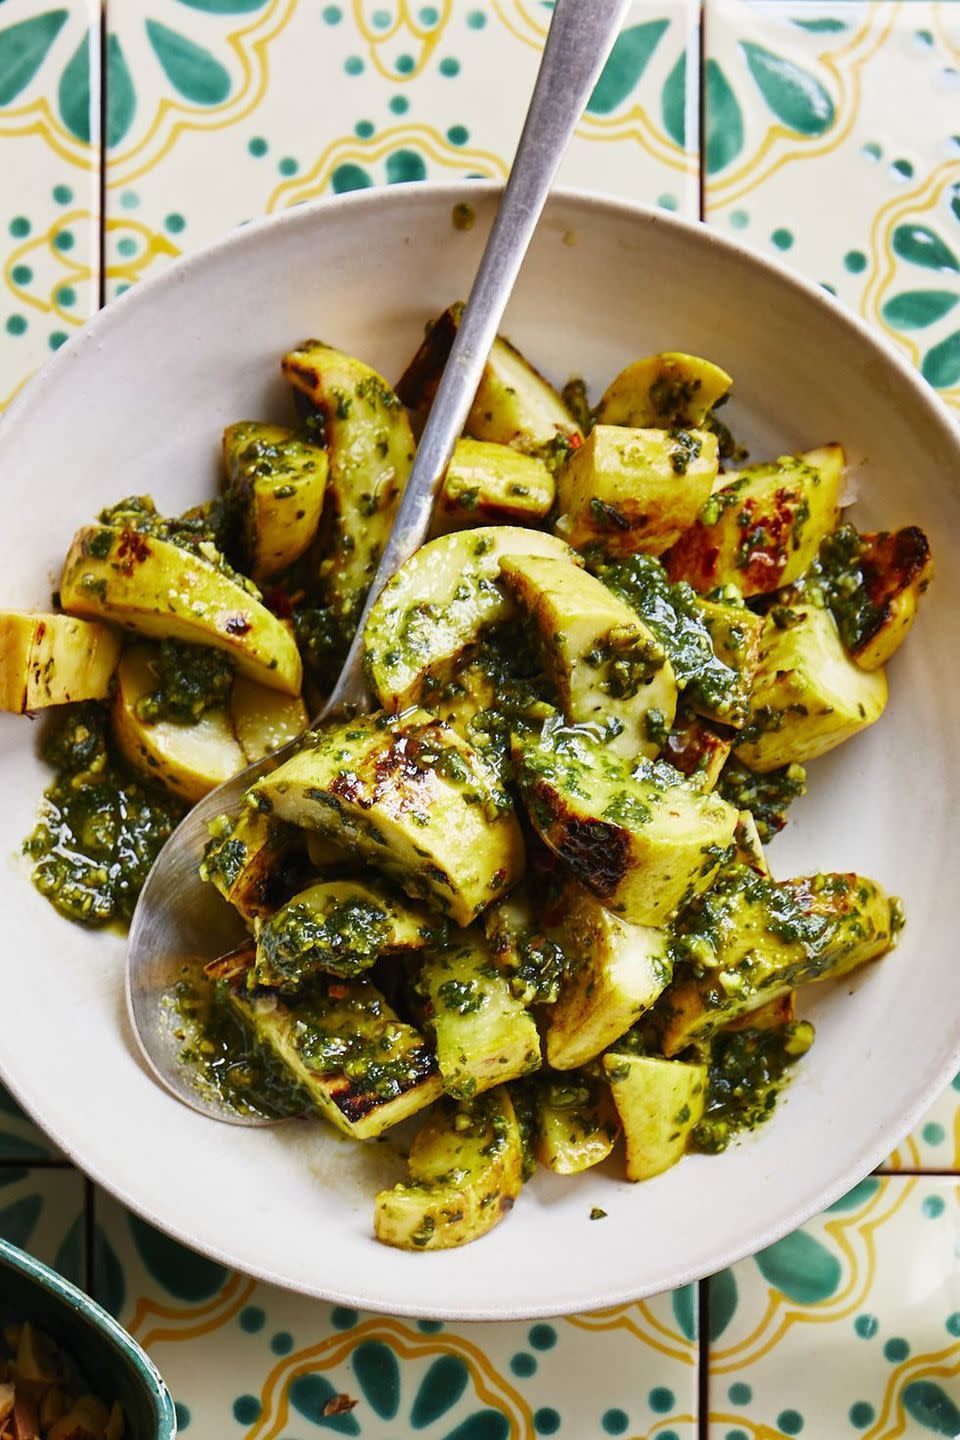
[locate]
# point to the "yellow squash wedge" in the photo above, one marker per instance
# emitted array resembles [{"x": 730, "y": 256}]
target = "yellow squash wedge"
[{"x": 53, "y": 660}]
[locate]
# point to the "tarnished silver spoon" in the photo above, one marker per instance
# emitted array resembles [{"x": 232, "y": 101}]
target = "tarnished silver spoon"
[{"x": 180, "y": 921}]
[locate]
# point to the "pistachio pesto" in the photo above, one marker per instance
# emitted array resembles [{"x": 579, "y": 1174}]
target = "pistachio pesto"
[
  {"x": 190, "y": 680},
  {"x": 100, "y": 827},
  {"x": 746, "y": 1073}
]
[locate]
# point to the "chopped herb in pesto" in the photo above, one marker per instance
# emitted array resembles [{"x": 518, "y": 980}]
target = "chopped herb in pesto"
[
  {"x": 101, "y": 826},
  {"x": 191, "y": 679},
  {"x": 767, "y": 796},
  {"x": 343, "y": 940},
  {"x": 747, "y": 1070}
]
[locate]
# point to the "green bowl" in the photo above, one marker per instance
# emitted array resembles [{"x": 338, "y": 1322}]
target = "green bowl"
[{"x": 114, "y": 1365}]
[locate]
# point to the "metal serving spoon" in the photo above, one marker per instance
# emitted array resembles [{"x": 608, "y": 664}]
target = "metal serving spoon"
[{"x": 180, "y": 921}]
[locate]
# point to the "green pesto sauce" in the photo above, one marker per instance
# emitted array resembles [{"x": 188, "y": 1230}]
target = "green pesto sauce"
[
  {"x": 101, "y": 827},
  {"x": 747, "y": 1071},
  {"x": 838, "y": 580},
  {"x": 523, "y": 1096},
  {"x": 676, "y": 620},
  {"x": 344, "y": 940},
  {"x": 191, "y": 679},
  {"x": 768, "y": 797},
  {"x": 225, "y": 1059},
  {"x": 201, "y": 532},
  {"x": 353, "y": 1036}
]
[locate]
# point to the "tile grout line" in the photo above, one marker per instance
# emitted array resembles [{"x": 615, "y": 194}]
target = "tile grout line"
[
  {"x": 102, "y": 177},
  {"x": 703, "y": 1359}
]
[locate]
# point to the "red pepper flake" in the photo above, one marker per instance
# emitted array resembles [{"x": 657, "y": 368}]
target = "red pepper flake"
[
  {"x": 237, "y": 624},
  {"x": 131, "y": 551},
  {"x": 337, "y": 992}
]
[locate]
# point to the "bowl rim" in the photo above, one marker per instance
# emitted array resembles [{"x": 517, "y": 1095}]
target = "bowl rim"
[
  {"x": 96, "y": 331},
  {"x": 77, "y": 1300}
]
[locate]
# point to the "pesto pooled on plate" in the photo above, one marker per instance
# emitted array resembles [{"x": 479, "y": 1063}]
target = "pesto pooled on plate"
[{"x": 525, "y": 899}]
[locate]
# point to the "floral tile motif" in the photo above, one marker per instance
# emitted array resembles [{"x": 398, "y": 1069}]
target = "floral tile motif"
[
  {"x": 20, "y": 1139},
  {"x": 850, "y": 1326},
  {"x": 246, "y": 1359},
  {"x": 831, "y": 140},
  {"x": 286, "y": 101},
  {"x": 42, "y": 1211},
  {"x": 49, "y": 199}
]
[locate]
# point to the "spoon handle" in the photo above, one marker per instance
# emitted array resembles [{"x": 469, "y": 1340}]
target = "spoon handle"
[{"x": 581, "y": 36}]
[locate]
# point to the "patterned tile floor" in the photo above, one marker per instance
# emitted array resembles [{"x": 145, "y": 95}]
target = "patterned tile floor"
[{"x": 831, "y": 136}]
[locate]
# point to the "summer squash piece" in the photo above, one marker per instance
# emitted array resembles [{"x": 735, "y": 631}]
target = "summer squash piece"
[
  {"x": 752, "y": 940},
  {"x": 340, "y": 927},
  {"x": 577, "y": 1124},
  {"x": 440, "y": 602},
  {"x": 659, "y": 1103},
  {"x": 606, "y": 665},
  {"x": 484, "y": 1035},
  {"x": 264, "y": 720},
  {"x": 363, "y": 1069},
  {"x": 466, "y": 1171},
  {"x": 489, "y": 484},
  {"x": 53, "y": 660},
  {"x": 642, "y": 840},
  {"x": 698, "y": 750},
  {"x": 189, "y": 760},
  {"x": 161, "y": 589},
  {"x": 669, "y": 390},
  {"x": 614, "y": 973},
  {"x": 514, "y": 404},
  {"x": 808, "y": 696},
  {"x": 713, "y": 648},
  {"x": 873, "y": 583},
  {"x": 245, "y": 858},
  {"x": 412, "y": 797},
  {"x": 370, "y": 449},
  {"x": 762, "y": 527},
  {"x": 635, "y": 490},
  {"x": 278, "y": 483}
]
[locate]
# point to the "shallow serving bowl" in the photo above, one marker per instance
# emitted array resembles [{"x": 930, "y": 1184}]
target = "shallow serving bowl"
[
  {"x": 137, "y": 403},
  {"x": 113, "y": 1364}
]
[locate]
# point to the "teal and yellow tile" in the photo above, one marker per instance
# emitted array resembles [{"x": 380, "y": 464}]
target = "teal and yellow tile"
[
  {"x": 49, "y": 198},
  {"x": 247, "y": 1359},
  {"x": 848, "y": 1327},
  {"x": 42, "y": 1211},
  {"x": 279, "y": 103},
  {"x": 831, "y": 141}
]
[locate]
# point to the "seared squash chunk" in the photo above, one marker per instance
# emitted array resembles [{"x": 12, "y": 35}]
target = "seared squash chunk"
[
  {"x": 247, "y": 857},
  {"x": 525, "y": 949},
  {"x": 808, "y": 696},
  {"x": 341, "y": 927},
  {"x": 438, "y": 603},
  {"x": 53, "y": 660},
  {"x": 577, "y": 1125},
  {"x": 489, "y": 484},
  {"x": 635, "y": 489},
  {"x": 752, "y": 940},
  {"x": 749, "y": 845},
  {"x": 659, "y": 1103},
  {"x": 409, "y": 795},
  {"x": 712, "y": 648},
  {"x": 668, "y": 390},
  {"x": 605, "y": 663},
  {"x": 614, "y": 973},
  {"x": 873, "y": 584},
  {"x": 363, "y": 1069},
  {"x": 514, "y": 404},
  {"x": 370, "y": 448},
  {"x": 643, "y": 840},
  {"x": 264, "y": 720},
  {"x": 762, "y": 527},
  {"x": 156, "y": 587},
  {"x": 189, "y": 760},
  {"x": 277, "y": 482},
  {"x": 484, "y": 1035},
  {"x": 466, "y": 1171},
  {"x": 697, "y": 749}
]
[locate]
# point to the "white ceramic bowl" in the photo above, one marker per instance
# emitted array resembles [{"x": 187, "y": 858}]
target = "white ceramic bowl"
[{"x": 137, "y": 404}]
